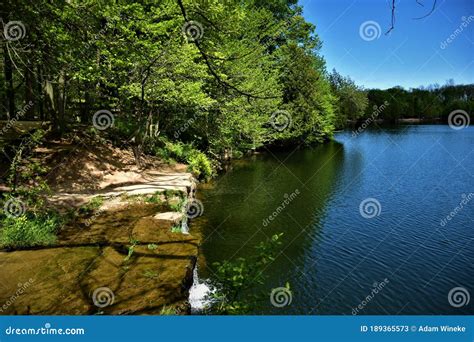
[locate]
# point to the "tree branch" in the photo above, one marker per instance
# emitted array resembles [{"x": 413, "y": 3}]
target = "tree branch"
[
  {"x": 392, "y": 6},
  {"x": 393, "y": 18},
  {"x": 211, "y": 69},
  {"x": 429, "y": 13}
]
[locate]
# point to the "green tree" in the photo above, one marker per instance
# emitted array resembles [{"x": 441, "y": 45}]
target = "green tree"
[{"x": 351, "y": 99}]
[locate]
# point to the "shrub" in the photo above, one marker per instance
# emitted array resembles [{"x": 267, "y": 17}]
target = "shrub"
[
  {"x": 94, "y": 204},
  {"x": 199, "y": 163},
  {"x": 26, "y": 231},
  {"x": 239, "y": 276},
  {"x": 155, "y": 198}
]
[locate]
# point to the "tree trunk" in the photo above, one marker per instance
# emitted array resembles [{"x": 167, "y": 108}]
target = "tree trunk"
[
  {"x": 39, "y": 90},
  {"x": 29, "y": 115},
  {"x": 9, "y": 84}
]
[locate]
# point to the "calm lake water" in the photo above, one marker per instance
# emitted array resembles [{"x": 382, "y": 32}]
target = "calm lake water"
[{"x": 334, "y": 257}]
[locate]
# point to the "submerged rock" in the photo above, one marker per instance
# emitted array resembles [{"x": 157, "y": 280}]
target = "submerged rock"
[{"x": 126, "y": 261}]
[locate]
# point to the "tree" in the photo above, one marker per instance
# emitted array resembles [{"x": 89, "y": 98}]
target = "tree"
[{"x": 351, "y": 99}]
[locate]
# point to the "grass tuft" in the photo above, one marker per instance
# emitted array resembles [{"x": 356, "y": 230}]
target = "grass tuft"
[{"x": 26, "y": 231}]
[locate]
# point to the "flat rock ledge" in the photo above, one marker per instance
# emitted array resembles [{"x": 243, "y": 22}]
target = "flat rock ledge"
[
  {"x": 172, "y": 216},
  {"x": 123, "y": 260},
  {"x": 155, "y": 182}
]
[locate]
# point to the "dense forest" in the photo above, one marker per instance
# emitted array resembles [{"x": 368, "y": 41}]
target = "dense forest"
[
  {"x": 224, "y": 76},
  {"x": 170, "y": 77}
]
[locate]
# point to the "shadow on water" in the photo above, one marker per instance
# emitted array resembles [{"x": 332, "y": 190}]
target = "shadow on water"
[
  {"x": 270, "y": 193},
  {"x": 332, "y": 256}
]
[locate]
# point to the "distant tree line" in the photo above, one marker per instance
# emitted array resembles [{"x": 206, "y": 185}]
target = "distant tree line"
[{"x": 432, "y": 103}]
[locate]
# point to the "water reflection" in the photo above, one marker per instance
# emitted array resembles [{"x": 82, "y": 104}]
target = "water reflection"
[
  {"x": 269, "y": 194},
  {"x": 332, "y": 256}
]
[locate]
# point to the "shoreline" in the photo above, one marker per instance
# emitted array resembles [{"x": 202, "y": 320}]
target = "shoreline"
[{"x": 131, "y": 254}]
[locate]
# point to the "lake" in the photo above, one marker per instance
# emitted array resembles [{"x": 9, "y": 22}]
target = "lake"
[{"x": 364, "y": 220}]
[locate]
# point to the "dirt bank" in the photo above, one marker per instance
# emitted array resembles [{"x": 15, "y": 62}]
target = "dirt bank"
[{"x": 125, "y": 257}]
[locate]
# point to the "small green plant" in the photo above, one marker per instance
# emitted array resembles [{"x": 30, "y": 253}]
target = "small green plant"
[
  {"x": 25, "y": 175},
  {"x": 176, "y": 229},
  {"x": 198, "y": 162},
  {"x": 152, "y": 246},
  {"x": 167, "y": 311},
  {"x": 33, "y": 224},
  {"x": 171, "y": 193},
  {"x": 27, "y": 231},
  {"x": 200, "y": 165},
  {"x": 238, "y": 276},
  {"x": 178, "y": 205},
  {"x": 131, "y": 249},
  {"x": 130, "y": 253},
  {"x": 155, "y": 198},
  {"x": 94, "y": 204},
  {"x": 150, "y": 274}
]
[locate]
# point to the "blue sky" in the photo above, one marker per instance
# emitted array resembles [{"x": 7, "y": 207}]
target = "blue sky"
[{"x": 411, "y": 55}]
